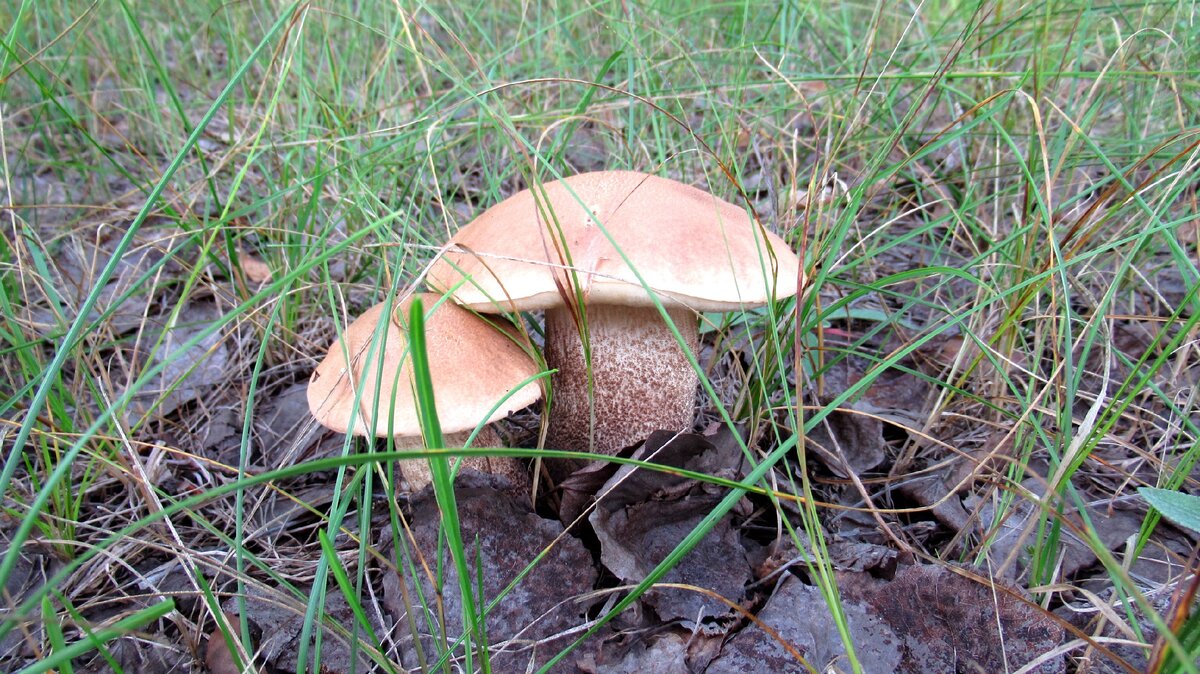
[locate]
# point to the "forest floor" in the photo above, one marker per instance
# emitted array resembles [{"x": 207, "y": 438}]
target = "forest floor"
[{"x": 928, "y": 461}]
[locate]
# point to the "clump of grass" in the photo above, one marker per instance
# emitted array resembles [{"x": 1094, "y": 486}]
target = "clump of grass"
[{"x": 1017, "y": 182}]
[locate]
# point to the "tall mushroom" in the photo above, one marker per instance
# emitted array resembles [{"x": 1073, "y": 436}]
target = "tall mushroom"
[
  {"x": 596, "y": 237},
  {"x": 473, "y": 366}
]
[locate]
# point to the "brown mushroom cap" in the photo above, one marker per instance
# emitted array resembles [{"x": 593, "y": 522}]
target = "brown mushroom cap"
[
  {"x": 691, "y": 247},
  {"x": 473, "y": 365}
]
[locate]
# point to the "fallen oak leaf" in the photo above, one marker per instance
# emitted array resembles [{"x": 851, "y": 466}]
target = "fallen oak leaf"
[
  {"x": 795, "y": 632},
  {"x": 944, "y": 619},
  {"x": 641, "y": 515},
  {"x": 220, "y": 655},
  {"x": 536, "y": 615},
  {"x": 580, "y": 487},
  {"x": 254, "y": 268}
]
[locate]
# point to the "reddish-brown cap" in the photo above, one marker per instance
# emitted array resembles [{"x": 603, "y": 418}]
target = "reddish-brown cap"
[
  {"x": 689, "y": 246},
  {"x": 472, "y": 363}
]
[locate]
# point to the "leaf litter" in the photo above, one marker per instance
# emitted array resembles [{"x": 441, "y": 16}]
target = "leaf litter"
[
  {"x": 637, "y": 516},
  {"x": 125, "y": 300},
  {"x": 534, "y": 620},
  {"x": 192, "y": 363},
  {"x": 641, "y": 515},
  {"x": 946, "y": 621},
  {"x": 943, "y": 620}
]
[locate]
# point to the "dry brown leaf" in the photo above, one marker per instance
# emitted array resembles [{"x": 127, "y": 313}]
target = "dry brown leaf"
[
  {"x": 846, "y": 441},
  {"x": 946, "y": 621},
  {"x": 931, "y": 492},
  {"x": 642, "y": 515},
  {"x": 185, "y": 376},
  {"x": 284, "y": 432},
  {"x": 880, "y": 561},
  {"x": 578, "y": 490},
  {"x": 657, "y": 654},
  {"x": 254, "y": 268},
  {"x": 217, "y": 655},
  {"x": 1112, "y": 527},
  {"x": 78, "y": 261},
  {"x": 277, "y": 645},
  {"x": 533, "y": 621},
  {"x": 140, "y": 653},
  {"x": 801, "y": 622}
]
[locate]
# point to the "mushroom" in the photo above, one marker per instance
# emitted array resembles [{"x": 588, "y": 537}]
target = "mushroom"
[
  {"x": 473, "y": 367},
  {"x": 598, "y": 237}
]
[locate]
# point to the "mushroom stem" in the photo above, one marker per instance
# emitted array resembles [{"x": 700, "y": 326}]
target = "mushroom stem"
[
  {"x": 642, "y": 379},
  {"x": 417, "y": 474}
]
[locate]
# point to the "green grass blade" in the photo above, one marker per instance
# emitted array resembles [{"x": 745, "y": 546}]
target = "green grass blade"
[
  {"x": 120, "y": 628},
  {"x": 69, "y": 341},
  {"x": 443, "y": 484}
]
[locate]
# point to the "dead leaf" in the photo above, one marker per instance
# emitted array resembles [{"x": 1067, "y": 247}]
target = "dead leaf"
[
  {"x": 142, "y": 653},
  {"x": 1189, "y": 232},
  {"x": 801, "y": 620},
  {"x": 187, "y": 375},
  {"x": 982, "y": 462},
  {"x": 162, "y": 575},
  {"x": 578, "y": 490},
  {"x": 659, "y": 654},
  {"x": 533, "y": 621},
  {"x": 635, "y": 539},
  {"x": 290, "y": 514},
  {"x": 78, "y": 262},
  {"x": 931, "y": 492},
  {"x": 218, "y": 436},
  {"x": 217, "y": 655},
  {"x": 714, "y": 454},
  {"x": 587, "y": 150},
  {"x": 940, "y": 353},
  {"x": 878, "y": 560},
  {"x": 1113, "y": 528},
  {"x": 1123, "y": 653},
  {"x": 844, "y": 554},
  {"x": 946, "y": 621},
  {"x": 254, "y": 268},
  {"x": 285, "y": 433},
  {"x": 894, "y": 395},
  {"x": 1135, "y": 337},
  {"x": 281, "y": 619},
  {"x": 642, "y": 515},
  {"x": 848, "y": 441},
  {"x": 34, "y": 564}
]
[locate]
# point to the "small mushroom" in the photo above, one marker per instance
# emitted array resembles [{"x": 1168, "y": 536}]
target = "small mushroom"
[
  {"x": 598, "y": 236},
  {"x": 473, "y": 366}
]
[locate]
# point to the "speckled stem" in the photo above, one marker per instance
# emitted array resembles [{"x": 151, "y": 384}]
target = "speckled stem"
[
  {"x": 417, "y": 474},
  {"x": 643, "y": 381}
]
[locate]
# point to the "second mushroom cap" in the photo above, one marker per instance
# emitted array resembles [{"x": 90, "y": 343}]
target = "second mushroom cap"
[{"x": 476, "y": 368}]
